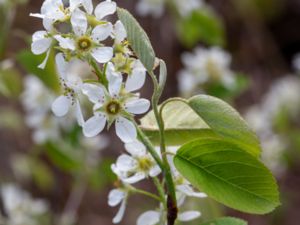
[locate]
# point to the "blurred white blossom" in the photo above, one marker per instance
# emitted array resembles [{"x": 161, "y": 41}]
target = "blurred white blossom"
[
  {"x": 205, "y": 66},
  {"x": 156, "y": 8},
  {"x": 20, "y": 207},
  {"x": 282, "y": 97},
  {"x": 36, "y": 100}
]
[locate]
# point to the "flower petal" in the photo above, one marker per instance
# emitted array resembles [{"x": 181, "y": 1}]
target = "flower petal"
[
  {"x": 187, "y": 190},
  {"x": 52, "y": 9},
  {"x": 61, "y": 105},
  {"x": 121, "y": 212},
  {"x": 138, "y": 106},
  {"x": 79, "y": 115},
  {"x": 87, "y": 5},
  {"x": 66, "y": 43},
  {"x": 135, "y": 178},
  {"x": 101, "y": 32},
  {"x": 94, "y": 93},
  {"x": 119, "y": 32},
  {"x": 125, "y": 130},
  {"x": 125, "y": 163},
  {"x": 104, "y": 9},
  {"x": 115, "y": 197},
  {"x": 102, "y": 54},
  {"x": 188, "y": 216},
  {"x": 114, "y": 80},
  {"x": 40, "y": 44},
  {"x": 135, "y": 148},
  {"x": 61, "y": 65},
  {"x": 137, "y": 78},
  {"x": 48, "y": 23},
  {"x": 155, "y": 171},
  {"x": 79, "y": 22},
  {"x": 94, "y": 125},
  {"x": 43, "y": 64},
  {"x": 148, "y": 218}
]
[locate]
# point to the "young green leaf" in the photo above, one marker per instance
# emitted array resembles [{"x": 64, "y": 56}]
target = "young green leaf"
[
  {"x": 162, "y": 75},
  {"x": 138, "y": 39},
  {"x": 182, "y": 124},
  {"x": 228, "y": 174},
  {"x": 226, "y": 221},
  {"x": 226, "y": 121}
]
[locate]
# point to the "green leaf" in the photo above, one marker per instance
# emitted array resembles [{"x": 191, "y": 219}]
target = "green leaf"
[
  {"x": 138, "y": 39},
  {"x": 225, "y": 121},
  {"x": 201, "y": 25},
  {"x": 162, "y": 75},
  {"x": 182, "y": 124},
  {"x": 228, "y": 174},
  {"x": 226, "y": 221},
  {"x": 48, "y": 75}
]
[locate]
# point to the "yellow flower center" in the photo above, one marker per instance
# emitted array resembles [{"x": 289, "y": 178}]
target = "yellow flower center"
[
  {"x": 113, "y": 107},
  {"x": 84, "y": 43},
  {"x": 145, "y": 163}
]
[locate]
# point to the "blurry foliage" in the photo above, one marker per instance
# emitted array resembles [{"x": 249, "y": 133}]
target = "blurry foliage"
[
  {"x": 10, "y": 83},
  {"x": 63, "y": 159},
  {"x": 201, "y": 25},
  {"x": 266, "y": 9},
  {"x": 102, "y": 176},
  {"x": 10, "y": 119},
  {"x": 220, "y": 91}
]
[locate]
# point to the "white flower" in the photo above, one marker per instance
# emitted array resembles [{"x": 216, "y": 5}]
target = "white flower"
[
  {"x": 117, "y": 197},
  {"x": 72, "y": 84},
  {"x": 85, "y": 42},
  {"x": 112, "y": 105},
  {"x": 136, "y": 166},
  {"x": 204, "y": 66},
  {"x": 55, "y": 10},
  {"x": 20, "y": 207}
]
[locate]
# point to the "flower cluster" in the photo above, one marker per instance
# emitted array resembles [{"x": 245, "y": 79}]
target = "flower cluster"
[
  {"x": 205, "y": 66},
  {"x": 80, "y": 32},
  {"x": 139, "y": 165},
  {"x": 36, "y": 100},
  {"x": 156, "y": 8},
  {"x": 20, "y": 207}
]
